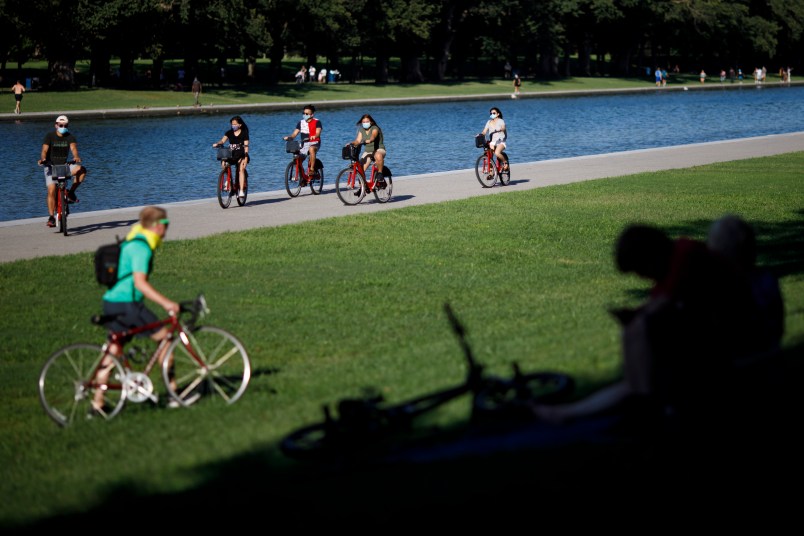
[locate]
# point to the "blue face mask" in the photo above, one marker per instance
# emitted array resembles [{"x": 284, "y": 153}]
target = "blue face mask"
[
  {"x": 63, "y": 130},
  {"x": 365, "y": 125},
  {"x": 493, "y": 116},
  {"x": 306, "y": 116},
  {"x": 235, "y": 127}
]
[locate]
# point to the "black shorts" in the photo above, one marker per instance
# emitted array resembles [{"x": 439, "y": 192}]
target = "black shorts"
[
  {"x": 129, "y": 315},
  {"x": 18, "y": 96}
]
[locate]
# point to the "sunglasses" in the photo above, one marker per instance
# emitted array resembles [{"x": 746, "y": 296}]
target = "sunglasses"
[
  {"x": 62, "y": 124},
  {"x": 164, "y": 221}
]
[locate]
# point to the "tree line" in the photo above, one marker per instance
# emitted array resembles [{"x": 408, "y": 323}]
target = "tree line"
[{"x": 431, "y": 40}]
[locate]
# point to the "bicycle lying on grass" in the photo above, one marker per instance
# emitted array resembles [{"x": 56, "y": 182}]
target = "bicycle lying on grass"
[
  {"x": 198, "y": 360},
  {"x": 352, "y": 185},
  {"x": 366, "y": 423},
  {"x": 489, "y": 169},
  {"x": 296, "y": 173},
  {"x": 228, "y": 181}
]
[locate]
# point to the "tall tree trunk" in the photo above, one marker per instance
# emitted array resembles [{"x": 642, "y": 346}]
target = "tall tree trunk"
[
  {"x": 381, "y": 75},
  {"x": 411, "y": 71}
]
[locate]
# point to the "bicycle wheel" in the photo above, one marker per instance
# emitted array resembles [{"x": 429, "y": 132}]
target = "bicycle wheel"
[
  {"x": 213, "y": 361},
  {"x": 68, "y": 383},
  {"x": 484, "y": 169},
  {"x": 242, "y": 200},
  {"x": 350, "y": 186},
  {"x": 224, "y": 189},
  {"x": 317, "y": 181},
  {"x": 64, "y": 210},
  {"x": 514, "y": 397},
  {"x": 383, "y": 189},
  {"x": 292, "y": 179},
  {"x": 505, "y": 176}
]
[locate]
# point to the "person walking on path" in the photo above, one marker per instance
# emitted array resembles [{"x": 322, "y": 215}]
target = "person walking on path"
[
  {"x": 18, "y": 89},
  {"x": 517, "y": 85},
  {"x": 196, "y": 90}
]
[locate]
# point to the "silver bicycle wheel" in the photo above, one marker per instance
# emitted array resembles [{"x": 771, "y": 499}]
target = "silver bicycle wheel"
[
  {"x": 211, "y": 361},
  {"x": 350, "y": 186},
  {"x": 72, "y": 376}
]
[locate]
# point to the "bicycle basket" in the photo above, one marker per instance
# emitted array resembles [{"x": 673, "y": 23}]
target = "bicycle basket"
[
  {"x": 480, "y": 141},
  {"x": 350, "y": 152},
  {"x": 292, "y": 146},
  {"x": 224, "y": 153},
  {"x": 57, "y": 171}
]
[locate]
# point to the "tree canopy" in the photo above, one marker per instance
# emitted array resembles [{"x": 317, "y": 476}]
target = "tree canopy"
[{"x": 433, "y": 40}]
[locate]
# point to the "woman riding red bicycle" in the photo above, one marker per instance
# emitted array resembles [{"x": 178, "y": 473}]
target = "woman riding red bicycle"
[
  {"x": 238, "y": 138},
  {"x": 369, "y": 134}
]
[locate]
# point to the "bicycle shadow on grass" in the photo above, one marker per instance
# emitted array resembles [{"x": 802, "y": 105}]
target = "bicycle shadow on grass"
[
  {"x": 546, "y": 471},
  {"x": 93, "y": 227}
]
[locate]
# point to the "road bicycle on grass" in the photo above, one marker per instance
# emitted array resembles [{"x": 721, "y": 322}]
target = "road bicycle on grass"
[
  {"x": 296, "y": 176},
  {"x": 366, "y": 423},
  {"x": 198, "y": 361},
  {"x": 490, "y": 170},
  {"x": 61, "y": 175},
  {"x": 228, "y": 180},
  {"x": 352, "y": 185}
]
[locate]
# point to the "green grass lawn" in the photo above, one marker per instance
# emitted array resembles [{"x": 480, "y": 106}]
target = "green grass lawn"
[
  {"x": 331, "y": 307},
  {"x": 107, "y": 99}
]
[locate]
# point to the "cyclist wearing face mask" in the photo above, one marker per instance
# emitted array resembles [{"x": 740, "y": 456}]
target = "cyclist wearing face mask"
[
  {"x": 310, "y": 129},
  {"x": 238, "y": 143},
  {"x": 370, "y": 135},
  {"x": 56, "y": 147},
  {"x": 495, "y": 128}
]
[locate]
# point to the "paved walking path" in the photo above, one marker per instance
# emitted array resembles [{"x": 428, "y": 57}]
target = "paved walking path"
[{"x": 25, "y": 239}]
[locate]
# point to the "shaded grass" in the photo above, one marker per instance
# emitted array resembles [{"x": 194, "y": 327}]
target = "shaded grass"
[{"x": 332, "y": 307}]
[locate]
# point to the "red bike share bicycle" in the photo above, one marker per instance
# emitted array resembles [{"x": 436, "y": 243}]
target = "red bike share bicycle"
[
  {"x": 229, "y": 181},
  {"x": 352, "y": 184},
  {"x": 61, "y": 175},
  {"x": 488, "y": 169},
  {"x": 296, "y": 173}
]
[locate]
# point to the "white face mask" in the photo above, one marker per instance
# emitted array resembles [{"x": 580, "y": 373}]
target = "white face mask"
[
  {"x": 306, "y": 116},
  {"x": 366, "y": 125}
]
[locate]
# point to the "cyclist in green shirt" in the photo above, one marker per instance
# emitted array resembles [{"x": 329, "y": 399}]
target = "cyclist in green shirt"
[{"x": 125, "y": 300}]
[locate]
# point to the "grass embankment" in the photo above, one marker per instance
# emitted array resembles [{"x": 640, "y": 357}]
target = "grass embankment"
[
  {"x": 330, "y": 307},
  {"x": 108, "y": 99}
]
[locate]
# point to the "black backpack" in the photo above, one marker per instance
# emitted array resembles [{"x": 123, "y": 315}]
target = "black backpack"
[{"x": 107, "y": 259}]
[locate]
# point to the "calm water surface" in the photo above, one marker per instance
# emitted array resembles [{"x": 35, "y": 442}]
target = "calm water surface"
[{"x": 135, "y": 162}]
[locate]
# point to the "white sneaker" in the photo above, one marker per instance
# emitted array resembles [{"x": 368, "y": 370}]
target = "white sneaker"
[{"x": 241, "y": 194}]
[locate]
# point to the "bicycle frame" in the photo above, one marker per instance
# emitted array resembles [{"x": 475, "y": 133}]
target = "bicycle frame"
[
  {"x": 296, "y": 174},
  {"x": 352, "y": 184},
  {"x": 228, "y": 186},
  {"x": 62, "y": 205},
  {"x": 489, "y": 169},
  {"x": 119, "y": 338}
]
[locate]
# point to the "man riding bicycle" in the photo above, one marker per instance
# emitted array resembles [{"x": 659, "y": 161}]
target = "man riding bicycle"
[
  {"x": 55, "y": 148},
  {"x": 310, "y": 129}
]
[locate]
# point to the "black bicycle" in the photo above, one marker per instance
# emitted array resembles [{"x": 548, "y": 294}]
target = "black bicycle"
[{"x": 364, "y": 423}]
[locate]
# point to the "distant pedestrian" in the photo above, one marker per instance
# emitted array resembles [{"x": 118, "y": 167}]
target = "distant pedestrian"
[
  {"x": 517, "y": 85},
  {"x": 18, "y": 89},
  {"x": 196, "y": 90},
  {"x": 657, "y": 76},
  {"x": 507, "y": 69},
  {"x": 311, "y": 73},
  {"x": 703, "y": 76},
  {"x": 722, "y": 75}
]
